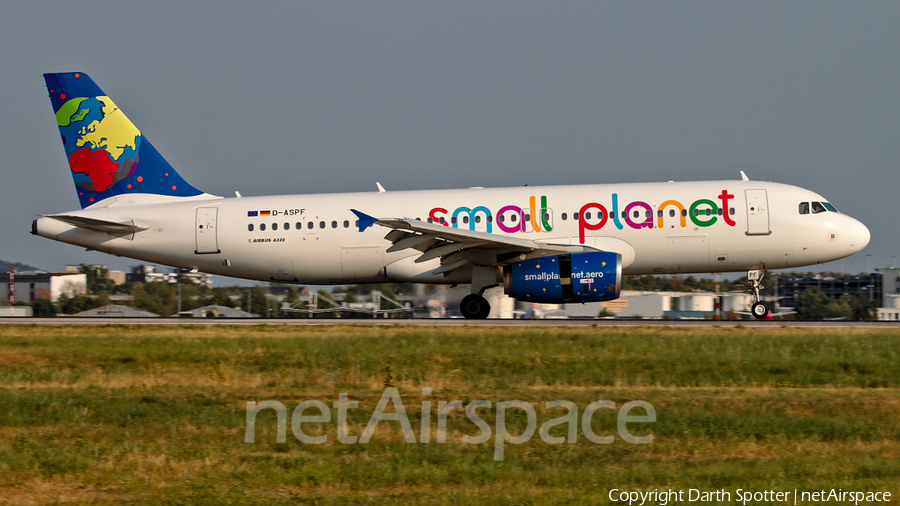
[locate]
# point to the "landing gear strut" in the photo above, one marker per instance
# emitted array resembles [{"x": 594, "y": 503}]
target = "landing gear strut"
[
  {"x": 474, "y": 306},
  {"x": 759, "y": 309}
]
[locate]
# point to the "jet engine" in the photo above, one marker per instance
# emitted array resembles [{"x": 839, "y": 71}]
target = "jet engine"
[{"x": 573, "y": 277}]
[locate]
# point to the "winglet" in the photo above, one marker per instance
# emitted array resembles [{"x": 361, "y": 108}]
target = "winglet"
[
  {"x": 365, "y": 221},
  {"x": 744, "y": 177}
]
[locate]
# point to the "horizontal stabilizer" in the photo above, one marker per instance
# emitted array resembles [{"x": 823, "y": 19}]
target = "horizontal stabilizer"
[{"x": 110, "y": 227}]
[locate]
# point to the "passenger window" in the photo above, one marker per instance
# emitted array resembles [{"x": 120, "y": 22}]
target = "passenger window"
[
  {"x": 310, "y": 225},
  {"x": 501, "y": 218},
  {"x": 298, "y": 226},
  {"x": 321, "y": 224},
  {"x": 659, "y": 213},
  {"x": 250, "y": 227},
  {"x": 287, "y": 226},
  {"x": 575, "y": 216},
  {"x": 333, "y": 224},
  {"x": 708, "y": 212},
  {"x": 430, "y": 220},
  {"x": 684, "y": 212},
  {"x": 262, "y": 227},
  {"x": 477, "y": 219},
  {"x": 453, "y": 220},
  {"x": 490, "y": 219},
  {"x": 671, "y": 213},
  {"x": 637, "y": 214},
  {"x": 442, "y": 220},
  {"x": 347, "y": 223},
  {"x": 817, "y": 208},
  {"x": 465, "y": 219},
  {"x": 696, "y": 212},
  {"x": 624, "y": 214},
  {"x": 587, "y": 215},
  {"x": 357, "y": 223},
  {"x": 804, "y": 208},
  {"x": 731, "y": 211},
  {"x": 648, "y": 214},
  {"x": 563, "y": 216},
  {"x": 527, "y": 217},
  {"x": 719, "y": 212},
  {"x": 274, "y": 226},
  {"x": 513, "y": 217}
]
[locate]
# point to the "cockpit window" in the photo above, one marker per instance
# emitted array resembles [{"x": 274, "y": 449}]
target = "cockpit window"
[
  {"x": 817, "y": 208},
  {"x": 829, "y": 207},
  {"x": 804, "y": 208}
]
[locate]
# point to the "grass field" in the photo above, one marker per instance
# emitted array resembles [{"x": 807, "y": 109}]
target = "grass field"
[{"x": 156, "y": 415}]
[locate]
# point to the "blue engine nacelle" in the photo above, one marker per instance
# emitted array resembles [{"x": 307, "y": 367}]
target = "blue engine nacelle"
[{"x": 575, "y": 277}]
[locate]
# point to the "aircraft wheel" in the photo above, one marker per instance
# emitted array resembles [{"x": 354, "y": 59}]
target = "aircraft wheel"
[
  {"x": 474, "y": 306},
  {"x": 759, "y": 310}
]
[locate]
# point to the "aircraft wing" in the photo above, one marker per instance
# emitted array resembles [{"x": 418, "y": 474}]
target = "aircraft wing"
[{"x": 460, "y": 247}]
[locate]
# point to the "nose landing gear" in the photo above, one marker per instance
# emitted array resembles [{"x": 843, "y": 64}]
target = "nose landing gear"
[{"x": 759, "y": 309}]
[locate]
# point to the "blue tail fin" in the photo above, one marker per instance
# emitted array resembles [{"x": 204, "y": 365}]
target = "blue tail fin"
[{"x": 107, "y": 154}]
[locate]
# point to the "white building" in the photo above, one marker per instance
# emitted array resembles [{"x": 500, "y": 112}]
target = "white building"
[
  {"x": 737, "y": 302},
  {"x": 697, "y": 301},
  {"x": 630, "y": 304}
]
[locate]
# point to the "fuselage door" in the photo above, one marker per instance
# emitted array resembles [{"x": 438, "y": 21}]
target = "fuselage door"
[
  {"x": 205, "y": 231},
  {"x": 757, "y": 212}
]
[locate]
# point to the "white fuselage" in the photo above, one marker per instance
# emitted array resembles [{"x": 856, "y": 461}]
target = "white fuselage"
[{"x": 313, "y": 239}]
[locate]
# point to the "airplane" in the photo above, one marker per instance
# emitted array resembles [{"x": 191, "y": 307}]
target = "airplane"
[{"x": 551, "y": 244}]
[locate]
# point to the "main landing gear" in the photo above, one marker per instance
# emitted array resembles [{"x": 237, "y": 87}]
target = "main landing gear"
[
  {"x": 474, "y": 306},
  {"x": 759, "y": 309}
]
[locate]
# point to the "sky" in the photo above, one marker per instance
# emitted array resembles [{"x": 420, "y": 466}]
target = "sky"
[{"x": 318, "y": 97}]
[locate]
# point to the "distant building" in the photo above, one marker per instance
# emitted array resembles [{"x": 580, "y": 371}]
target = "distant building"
[
  {"x": 117, "y": 277},
  {"x": 114, "y": 311},
  {"x": 787, "y": 289},
  {"x": 39, "y": 284},
  {"x": 630, "y": 304},
  {"x": 16, "y": 311},
  {"x": 149, "y": 274},
  {"x": 216, "y": 312}
]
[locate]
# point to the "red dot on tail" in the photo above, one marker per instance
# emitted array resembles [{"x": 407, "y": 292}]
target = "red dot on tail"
[
  {"x": 173, "y": 188},
  {"x": 77, "y": 76},
  {"x": 92, "y": 199},
  {"x": 62, "y": 96}
]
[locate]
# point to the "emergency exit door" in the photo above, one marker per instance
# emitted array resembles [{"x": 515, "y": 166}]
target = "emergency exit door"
[
  {"x": 757, "y": 212},
  {"x": 205, "y": 230}
]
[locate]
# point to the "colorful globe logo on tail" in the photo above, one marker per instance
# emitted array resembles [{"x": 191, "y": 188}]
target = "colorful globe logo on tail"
[{"x": 107, "y": 154}]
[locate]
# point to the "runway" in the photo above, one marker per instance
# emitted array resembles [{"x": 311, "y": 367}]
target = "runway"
[{"x": 448, "y": 322}]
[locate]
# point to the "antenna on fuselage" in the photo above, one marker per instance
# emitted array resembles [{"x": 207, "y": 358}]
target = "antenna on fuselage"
[
  {"x": 744, "y": 177},
  {"x": 380, "y": 188}
]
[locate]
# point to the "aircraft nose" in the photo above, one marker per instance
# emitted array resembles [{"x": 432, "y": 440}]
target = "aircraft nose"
[{"x": 859, "y": 236}]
